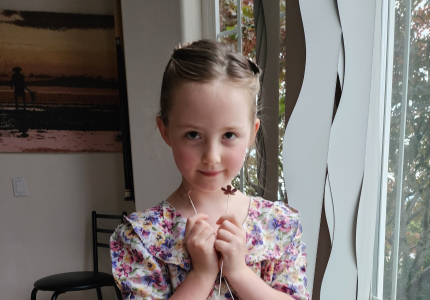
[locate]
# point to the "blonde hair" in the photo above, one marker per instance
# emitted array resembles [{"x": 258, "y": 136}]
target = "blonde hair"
[{"x": 206, "y": 61}]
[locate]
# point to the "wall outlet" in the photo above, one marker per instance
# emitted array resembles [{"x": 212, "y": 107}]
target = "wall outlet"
[{"x": 19, "y": 187}]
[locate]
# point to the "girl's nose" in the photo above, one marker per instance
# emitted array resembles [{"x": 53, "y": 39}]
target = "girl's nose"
[{"x": 211, "y": 156}]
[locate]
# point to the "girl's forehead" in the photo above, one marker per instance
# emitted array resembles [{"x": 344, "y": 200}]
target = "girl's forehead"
[
  {"x": 213, "y": 94},
  {"x": 210, "y": 100}
]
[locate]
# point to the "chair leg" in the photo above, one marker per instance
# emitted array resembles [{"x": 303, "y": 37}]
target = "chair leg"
[
  {"x": 99, "y": 294},
  {"x": 55, "y": 295},
  {"x": 33, "y": 294},
  {"x": 117, "y": 291}
]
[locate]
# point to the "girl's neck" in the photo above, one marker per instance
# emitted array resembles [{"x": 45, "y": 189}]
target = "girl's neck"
[{"x": 202, "y": 198}]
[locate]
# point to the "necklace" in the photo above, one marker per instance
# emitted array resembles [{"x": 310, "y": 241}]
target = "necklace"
[{"x": 228, "y": 191}]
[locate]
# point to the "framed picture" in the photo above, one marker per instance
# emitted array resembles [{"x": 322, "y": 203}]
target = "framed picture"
[{"x": 58, "y": 83}]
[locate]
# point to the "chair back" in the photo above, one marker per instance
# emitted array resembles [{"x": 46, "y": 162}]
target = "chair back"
[{"x": 96, "y": 244}]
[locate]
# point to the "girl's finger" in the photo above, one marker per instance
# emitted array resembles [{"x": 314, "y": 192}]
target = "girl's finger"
[
  {"x": 221, "y": 246},
  {"x": 191, "y": 221},
  {"x": 230, "y": 217},
  {"x": 198, "y": 228},
  {"x": 229, "y": 226},
  {"x": 206, "y": 234},
  {"x": 212, "y": 238},
  {"x": 225, "y": 235}
]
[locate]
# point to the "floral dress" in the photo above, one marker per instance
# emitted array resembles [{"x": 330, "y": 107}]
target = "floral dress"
[{"x": 150, "y": 259}]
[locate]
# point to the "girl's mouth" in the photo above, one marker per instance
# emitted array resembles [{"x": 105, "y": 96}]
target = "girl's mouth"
[{"x": 210, "y": 174}]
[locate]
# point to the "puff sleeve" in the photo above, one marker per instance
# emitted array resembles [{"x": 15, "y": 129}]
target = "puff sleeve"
[
  {"x": 137, "y": 273},
  {"x": 288, "y": 273}
]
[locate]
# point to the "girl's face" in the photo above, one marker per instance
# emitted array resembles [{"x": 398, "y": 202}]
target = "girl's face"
[{"x": 209, "y": 130}]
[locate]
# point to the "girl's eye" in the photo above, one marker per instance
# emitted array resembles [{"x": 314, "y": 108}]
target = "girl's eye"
[
  {"x": 192, "y": 135},
  {"x": 229, "y": 135}
]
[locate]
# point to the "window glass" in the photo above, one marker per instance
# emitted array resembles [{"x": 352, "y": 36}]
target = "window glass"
[
  {"x": 413, "y": 276},
  {"x": 281, "y": 123},
  {"x": 227, "y": 14}
]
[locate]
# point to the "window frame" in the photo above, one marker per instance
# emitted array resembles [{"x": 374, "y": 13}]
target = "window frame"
[{"x": 387, "y": 49}]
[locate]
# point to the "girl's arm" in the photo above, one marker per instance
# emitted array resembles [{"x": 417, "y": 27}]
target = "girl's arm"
[
  {"x": 249, "y": 286},
  {"x": 195, "y": 286}
]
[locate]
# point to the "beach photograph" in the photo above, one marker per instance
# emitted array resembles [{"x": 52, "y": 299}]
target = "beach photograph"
[{"x": 58, "y": 83}]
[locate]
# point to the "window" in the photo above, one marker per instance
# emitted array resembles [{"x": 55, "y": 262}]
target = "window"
[{"x": 406, "y": 253}]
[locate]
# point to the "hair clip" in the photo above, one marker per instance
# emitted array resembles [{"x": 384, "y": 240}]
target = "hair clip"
[
  {"x": 254, "y": 67},
  {"x": 229, "y": 191}
]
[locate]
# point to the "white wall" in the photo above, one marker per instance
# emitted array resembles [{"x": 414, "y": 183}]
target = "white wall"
[{"x": 49, "y": 231}]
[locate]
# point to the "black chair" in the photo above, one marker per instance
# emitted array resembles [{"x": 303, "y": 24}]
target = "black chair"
[{"x": 85, "y": 280}]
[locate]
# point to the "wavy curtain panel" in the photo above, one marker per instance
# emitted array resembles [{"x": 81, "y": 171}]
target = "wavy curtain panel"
[
  {"x": 307, "y": 134},
  {"x": 328, "y": 143}
]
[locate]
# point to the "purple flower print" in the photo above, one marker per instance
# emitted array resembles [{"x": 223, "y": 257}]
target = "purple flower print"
[
  {"x": 136, "y": 257},
  {"x": 114, "y": 263},
  {"x": 117, "y": 257},
  {"x": 289, "y": 263},
  {"x": 267, "y": 204},
  {"x": 164, "y": 255},
  {"x": 278, "y": 267},
  {"x": 256, "y": 230},
  {"x": 256, "y": 241},
  {"x": 154, "y": 249},
  {"x": 292, "y": 250},
  {"x": 156, "y": 279},
  {"x": 254, "y": 213},
  {"x": 153, "y": 219},
  {"x": 283, "y": 288},
  {"x": 181, "y": 276},
  {"x": 115, "y": 245},
  {"x": 286, "y": 228},
  {"x": 123, "y": 269},
  {"x": 126, "y": 286},
  {"x": 273, "y": 224},
  {"x": 133, "y": 217},
  {"x": 276, "y": 250},
  {"x": 168, "y": 243},
  {"x": 167, "y": 226},
  {"x": 142, "y": 232},
  {"x": 147, "y": 279}
]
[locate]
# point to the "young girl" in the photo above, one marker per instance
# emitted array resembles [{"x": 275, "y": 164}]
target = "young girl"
[{"x": 179, "y": 248}]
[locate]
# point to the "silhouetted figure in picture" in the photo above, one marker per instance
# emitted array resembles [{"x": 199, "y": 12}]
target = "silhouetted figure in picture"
[{"x": 17, "y": 83}]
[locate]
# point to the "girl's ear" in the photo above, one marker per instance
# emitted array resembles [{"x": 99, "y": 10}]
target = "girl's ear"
[
  {"x": 253, "y": 134},
  {"x": 163, "y": 130}
]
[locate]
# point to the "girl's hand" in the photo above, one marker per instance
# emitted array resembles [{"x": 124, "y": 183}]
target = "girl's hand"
[
  {"x": 231, "y": 243},
  {"x": 199, "y": 239}
]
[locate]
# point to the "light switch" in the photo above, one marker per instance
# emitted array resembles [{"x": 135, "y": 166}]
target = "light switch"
[{"x": 19, "y": 187}]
